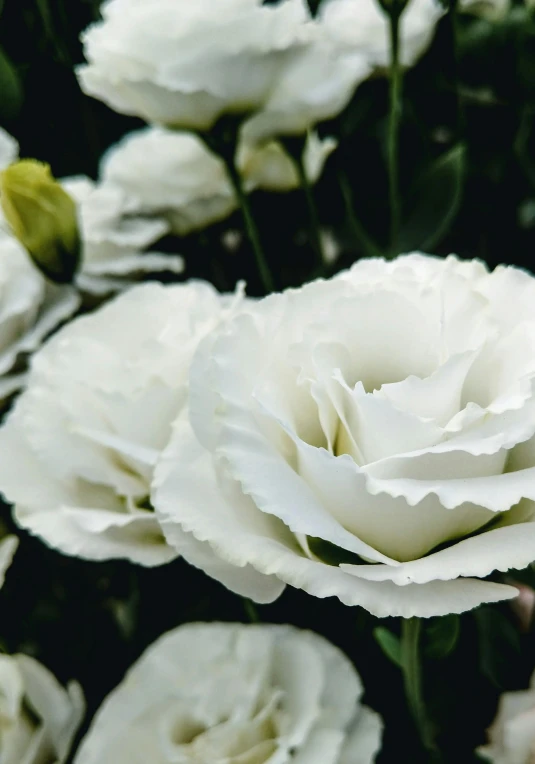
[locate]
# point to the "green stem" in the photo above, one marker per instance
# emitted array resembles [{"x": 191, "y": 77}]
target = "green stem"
[
  {"x": 361, "y": 236},
  {"x": 454, "y": 23},
  {"x": 412, "y": 677},
  {"x": 396, "y": 91},
  {"x": 250, "y": 225},
  {"x": 313, "y": 217},
  {"x": 250, "y": 611}
]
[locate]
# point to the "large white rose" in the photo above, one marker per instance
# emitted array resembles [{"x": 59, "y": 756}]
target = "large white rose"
[
  {"x": 114, "y": 241},
  {"x": 38, "y": 717},
  {"x": 30, "y": 308},
  {"x": 233, "y": 694},
  {"x": 512, "y": 736},
  {"x": 184, "y": 64},
  {"x": 173, "y": 174},
  {"x": 370, "y": 437},
  {"x": 79, "y": 447},
  {"x": 364, "y": 26}
]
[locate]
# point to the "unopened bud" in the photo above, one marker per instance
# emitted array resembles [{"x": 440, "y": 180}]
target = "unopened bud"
[{"x": 43, "y": 218}]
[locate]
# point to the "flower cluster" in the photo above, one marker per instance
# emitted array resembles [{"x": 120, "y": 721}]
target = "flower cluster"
[{"x": 362, "y": 434}]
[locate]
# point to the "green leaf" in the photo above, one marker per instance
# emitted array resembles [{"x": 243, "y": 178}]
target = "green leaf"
[
  {"x": 434, "y": 202},
  {"x": 442, "y": 636},
  {"x": 390, "y": 644},
  {"x": 11, "y": 93},
  {"x": 499, "y": 644}
]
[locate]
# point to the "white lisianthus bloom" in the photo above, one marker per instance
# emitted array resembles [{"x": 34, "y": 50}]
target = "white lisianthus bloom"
[
  {"x": 113, "y": 241},
  {"x": 268, "y": 167},
  {"x": 80, "y": 445},
  {"x": 38, "y": 717},
  {"x": 364, "y": 26},
  {"x": 30, "y": 308},
  {"x": 185, "y": 64},
  {"x": 512, "y": 735},
  {"x": 9, "y": 149},
  {"x": 222, "y": 693},
  {"x": 172, "y": 174},
  {"x": 370, "y": 437}
]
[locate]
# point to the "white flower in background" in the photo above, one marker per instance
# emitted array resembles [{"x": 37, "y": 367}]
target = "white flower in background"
[
  {"x": 80, "y": 445},
  {"x": 173, "y": 175},
  {"x": 223, "y": 693},
  {"x": 370, "y": 437},
  {"x": 184, "y": 64},
  {"x": 113, "y": 242},
  {"x": 30, "y": 308},
  {"x": 38, "y": 717},
  {"x": 9, "y": 149},
  {"x": 364, "y": 26},
  {"x": 512, "y": 735},
  {"x": 268, "y": 166}
]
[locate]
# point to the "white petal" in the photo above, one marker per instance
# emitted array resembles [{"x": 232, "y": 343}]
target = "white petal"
[
  {"x": 94, "y": 534},
  {"x": 501, "y": 549}
]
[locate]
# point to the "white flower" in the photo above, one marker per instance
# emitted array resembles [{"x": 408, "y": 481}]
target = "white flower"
[
  {"x": 30, "y": 308},
  {"x": 512, "y": 735},
  {"x": 38, "y": 717},
  {"x": 268, "y": 167},
  {"x": 185, "y": 64},
  {"x": 370, "y": 437},
  {"x": 79, "y": 447},
  {"x": 9, "y": 149},
  {"x": 113, "y": 241},
  {"x": 233, "y": 694},
  {"x": 364, "y": 26},
  {"x": 172, "y": 174}
]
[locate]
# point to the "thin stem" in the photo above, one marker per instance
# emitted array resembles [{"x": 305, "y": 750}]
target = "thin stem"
[
  {"x": 250, "y": 225},
  {"x": 396, "y": 90},
  {"x": 361, "y": 236},
  {"x": 251, "y": 611},
  {"x": 313, "y": 217},
  {"x": 454, "y": 23},
  {"x": 412, "y": 677}
]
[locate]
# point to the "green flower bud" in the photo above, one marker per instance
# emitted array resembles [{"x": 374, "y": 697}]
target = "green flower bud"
[{"x": 43, "y": 218}]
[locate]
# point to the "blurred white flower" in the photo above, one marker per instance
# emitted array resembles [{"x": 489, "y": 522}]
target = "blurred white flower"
[
  {"x": 184, "y": 64},
  {"x": 362, "y": 25},
  {"x": 9, "y": 149},
  {"x": 30, "y": 308},
  {"x": 38, "y": 717},
  {"x": 222, "y": 693},
  {"x": 369, "y": 437},
  {"x": 512, "y": 735},
  {"x": 113, "y": 241},
  {"x": 268, "y": 166},
  {"x": 80, "y": 445},
  {"x": 173, "y": 175}
]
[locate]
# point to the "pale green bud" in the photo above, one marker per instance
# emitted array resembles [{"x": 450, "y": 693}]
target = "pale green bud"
[{"x": 43, "y": 218}]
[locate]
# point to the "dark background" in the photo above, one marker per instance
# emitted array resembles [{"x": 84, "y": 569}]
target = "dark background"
[{"x": 468, "y": 186}]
